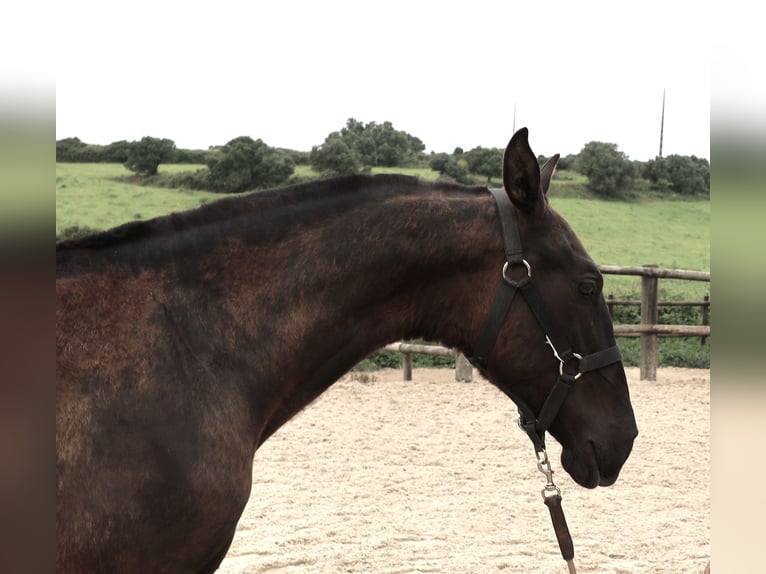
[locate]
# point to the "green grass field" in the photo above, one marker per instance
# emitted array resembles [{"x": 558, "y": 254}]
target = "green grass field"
[
  {"x": 668, "y": 233},
  {"x": 87, "y": 195}
]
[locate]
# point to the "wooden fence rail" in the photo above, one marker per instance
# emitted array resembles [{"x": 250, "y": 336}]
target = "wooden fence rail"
[
  {"x": 463, "y": 369},
  {"x": 656, "y": 272},
  {"x": 648, "y": 330}
]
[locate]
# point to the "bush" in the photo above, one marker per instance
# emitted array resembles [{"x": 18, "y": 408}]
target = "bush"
[
  {"x": 393, "y": 360},
  {"x": 197, "y": 180},
  {"x": 117, "y": 152},
  {"x": 485, "y": 161},
  {"x": 567, "y": 162},
  {"x": 685, "y": 175},
  {"x": 450, "y": 167},
  {"x": 192, "y": 156},
  {"x": 298, "y": 157},
  {"x": 359, "y": 147},
  {"x": 74, "y": 150},
  {"x": 244, "y": 164},
  {"x": 610, "y": 173},
  {"x": 334, "y": 157},
  {"x": 75, "y": 232},
  {"x": 145, "y": 156}
]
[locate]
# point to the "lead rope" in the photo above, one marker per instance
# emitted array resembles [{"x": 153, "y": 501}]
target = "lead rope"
[{"x": 552, "y": 499}]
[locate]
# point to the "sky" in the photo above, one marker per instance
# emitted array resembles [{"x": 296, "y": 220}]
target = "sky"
[{"x": 292, "y": 71}]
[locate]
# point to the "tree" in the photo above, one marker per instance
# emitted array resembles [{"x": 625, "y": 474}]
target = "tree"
[
  {"x": 392, "y": 147},
  {"x": 334, "y": 156},
  {"x": 244, "y": 164},
  {"x": 146, "y": 155},
  {"x": 117, "y": 152},
  {"x": 655, "y": 170},
  {"x": 609, "y": 171},
  {"x": 688, "y": 175},
  {"x": 74, "y": 150},
  {"x": 485, "y": 161},
  {"x": 685, "y": 175},
  {"x": 447, "y": 165},
  {"x": 569, "y": 161},
  {"x": 193, "y": 156},
  {"x": 69, "y": 149},
  {"x": 365, "y": 145}
]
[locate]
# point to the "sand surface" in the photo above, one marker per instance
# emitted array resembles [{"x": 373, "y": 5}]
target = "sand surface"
[{"x": 386, "y": 476}]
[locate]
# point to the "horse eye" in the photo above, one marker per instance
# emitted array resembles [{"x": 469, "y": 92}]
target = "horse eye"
[{"x": 587, "y": 288}]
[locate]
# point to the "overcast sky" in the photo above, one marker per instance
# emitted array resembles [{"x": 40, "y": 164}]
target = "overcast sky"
[{"x": 291, "y": 72}]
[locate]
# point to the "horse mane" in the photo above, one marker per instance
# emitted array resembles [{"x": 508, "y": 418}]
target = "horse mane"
[{"x": 258, "y": 201}]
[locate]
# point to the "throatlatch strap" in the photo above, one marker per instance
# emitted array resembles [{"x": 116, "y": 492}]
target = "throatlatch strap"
[{"x": 495, "y": 319}]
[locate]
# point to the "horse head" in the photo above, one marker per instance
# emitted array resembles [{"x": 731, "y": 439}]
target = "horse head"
[{"x": 595, "y": 423}]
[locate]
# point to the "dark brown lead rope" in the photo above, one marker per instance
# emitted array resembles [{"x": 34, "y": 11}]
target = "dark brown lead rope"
[
  {"x": 552, "y": 499},
  {"x": 562, "y": 531}
]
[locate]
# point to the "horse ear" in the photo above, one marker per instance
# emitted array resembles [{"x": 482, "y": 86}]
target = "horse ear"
[
  {"x": 546, "y": 173},
  {"x": 521, "y": 173}
]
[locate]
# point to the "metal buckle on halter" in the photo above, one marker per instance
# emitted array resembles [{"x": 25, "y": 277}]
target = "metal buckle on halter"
[{"x": 521, "y": 282}]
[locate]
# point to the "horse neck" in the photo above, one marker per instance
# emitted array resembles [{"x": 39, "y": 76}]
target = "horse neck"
[{"x": 384, "y": 267}]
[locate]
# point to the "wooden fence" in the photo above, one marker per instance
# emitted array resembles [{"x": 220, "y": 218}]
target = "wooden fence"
[{"x": 648, "y": 329}]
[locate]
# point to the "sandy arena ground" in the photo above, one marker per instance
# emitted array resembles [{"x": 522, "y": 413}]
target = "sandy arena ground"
[{"x": 386, "y": 476}]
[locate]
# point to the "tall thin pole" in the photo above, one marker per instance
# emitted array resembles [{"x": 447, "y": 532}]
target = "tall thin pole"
[
  {"x": 662, "y": 124},
  {"x": 514, "y": 118}
]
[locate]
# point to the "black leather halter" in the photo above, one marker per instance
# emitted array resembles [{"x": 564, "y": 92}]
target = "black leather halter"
[{"x": 534, "y": 426}]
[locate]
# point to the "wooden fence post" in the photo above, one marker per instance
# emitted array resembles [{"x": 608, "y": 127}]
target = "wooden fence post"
[
  {"x": 705, "y": 317},
  {"x": 463, "y": 369},
  {"x": 407, "y": 366},
  {"x": 648, "y": 358}
]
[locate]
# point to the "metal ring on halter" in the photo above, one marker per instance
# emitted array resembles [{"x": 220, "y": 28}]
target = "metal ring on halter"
[
  {"x": 577, "y": 356},
  {"x": 521, "y": 282}
]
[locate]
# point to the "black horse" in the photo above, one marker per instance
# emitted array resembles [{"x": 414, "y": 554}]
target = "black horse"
[{"x": 184, "y": 342}]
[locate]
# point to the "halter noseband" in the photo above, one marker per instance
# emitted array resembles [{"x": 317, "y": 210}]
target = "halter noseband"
[{"x": 534, "y": 426}]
